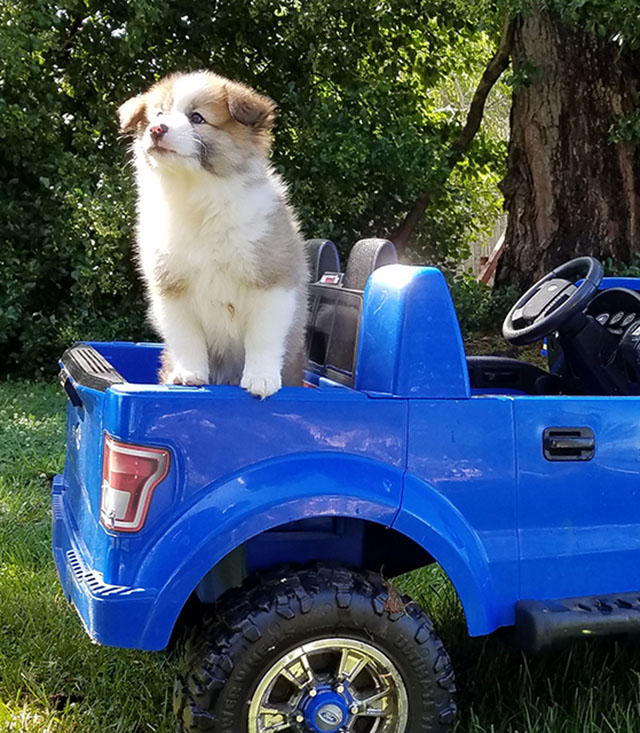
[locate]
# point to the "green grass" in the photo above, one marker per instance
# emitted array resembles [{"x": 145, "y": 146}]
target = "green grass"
[
  {"x": 592, "y": 687},
  {"x": 52, "y": 678}
]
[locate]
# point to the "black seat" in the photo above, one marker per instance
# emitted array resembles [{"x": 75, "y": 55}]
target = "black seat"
[
  {"x": 336, "y": 310},
  {"x": 334, "y": 323},
  {"x": 323, "y": 257},
  {"x": 501, "y": 373},
  {"x": 366, "y": 256}
]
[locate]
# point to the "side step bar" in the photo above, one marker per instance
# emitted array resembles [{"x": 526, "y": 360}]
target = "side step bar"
[{"x": 544, "y": 624}]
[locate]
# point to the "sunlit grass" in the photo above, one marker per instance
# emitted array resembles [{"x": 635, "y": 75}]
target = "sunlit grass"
[{"x": 54, "y": 680}]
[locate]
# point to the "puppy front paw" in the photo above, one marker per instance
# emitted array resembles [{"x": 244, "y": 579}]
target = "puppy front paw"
[
  {"x": 186, "y": 377},
  {"x": 261, "y": 385}
]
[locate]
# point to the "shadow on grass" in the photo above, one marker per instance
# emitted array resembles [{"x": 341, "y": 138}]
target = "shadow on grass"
[{"x": 50, "y": 669}]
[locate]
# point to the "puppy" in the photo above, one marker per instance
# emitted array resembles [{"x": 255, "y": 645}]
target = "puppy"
[{"x": 218, "y": 245}]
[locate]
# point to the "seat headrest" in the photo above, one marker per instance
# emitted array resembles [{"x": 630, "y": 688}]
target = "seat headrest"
[
  {"x": 323, "y": 257},
  {"x": 366, "y": 256}
]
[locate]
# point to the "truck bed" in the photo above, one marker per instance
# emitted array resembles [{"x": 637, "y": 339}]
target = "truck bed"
[{"x": 217, "y": 437}]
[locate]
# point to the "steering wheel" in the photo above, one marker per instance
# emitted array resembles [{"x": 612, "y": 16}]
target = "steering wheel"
[{"x": 552, "y": 302}]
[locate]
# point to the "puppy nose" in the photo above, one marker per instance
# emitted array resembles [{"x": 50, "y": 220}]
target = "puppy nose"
[{"x": 157, "y": 131}]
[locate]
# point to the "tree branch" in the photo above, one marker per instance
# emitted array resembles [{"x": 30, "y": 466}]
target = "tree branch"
[
  {"x": 63, "y": 53},
  {"x": 496, "y": 66}
]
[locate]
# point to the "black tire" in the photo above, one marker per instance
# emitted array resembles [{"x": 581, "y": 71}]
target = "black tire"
[{"x": 228, "y": 654}]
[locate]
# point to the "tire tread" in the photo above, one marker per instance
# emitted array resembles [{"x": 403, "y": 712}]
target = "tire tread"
[{"x": 237, "y": 622}]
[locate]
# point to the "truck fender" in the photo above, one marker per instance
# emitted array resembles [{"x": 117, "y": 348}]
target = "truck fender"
[
  {"x": 433, "y": 522},
  {"x": 266, "y": 495}
]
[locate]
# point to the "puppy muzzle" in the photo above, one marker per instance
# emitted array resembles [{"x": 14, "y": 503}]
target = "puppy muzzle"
[{"x": 157, "y": 132}]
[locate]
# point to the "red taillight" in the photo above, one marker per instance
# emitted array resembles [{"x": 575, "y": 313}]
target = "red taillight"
[{"x": 130, "y": 473}]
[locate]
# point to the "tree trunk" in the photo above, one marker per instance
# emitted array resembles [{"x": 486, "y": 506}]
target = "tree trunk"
[{"x": 569, "y": 190}]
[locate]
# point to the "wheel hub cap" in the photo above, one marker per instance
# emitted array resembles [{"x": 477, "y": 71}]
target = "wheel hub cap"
[
  {"x": 325, "y": 712},
  {"x": 329, "y": 717},
  {"x": 328, "y": 686}
]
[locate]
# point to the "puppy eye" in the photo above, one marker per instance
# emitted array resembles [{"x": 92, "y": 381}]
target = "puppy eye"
[{"x": 197, "y": 118}]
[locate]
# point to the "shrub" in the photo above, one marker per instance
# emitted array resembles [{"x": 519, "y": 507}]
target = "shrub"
[
  {"x": 623, "y": 269},
  {"x": 480, "y": 308},
  {"x": 361, "y": 132}
]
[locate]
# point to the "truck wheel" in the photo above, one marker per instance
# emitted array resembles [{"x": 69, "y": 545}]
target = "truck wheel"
[{"x": 321, "y": 650}]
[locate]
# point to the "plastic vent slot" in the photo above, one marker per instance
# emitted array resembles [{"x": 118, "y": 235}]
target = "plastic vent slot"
[{"x": 94, "y": 582}]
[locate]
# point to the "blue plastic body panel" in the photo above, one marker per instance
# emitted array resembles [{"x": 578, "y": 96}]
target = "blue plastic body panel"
[
  {"x": 631, "y": 283},
  {"x": 461, "y": 483},
  {"x": 462, "y": 475},
  {"x": 410, "y": 343},
  {"x": 239, "y": 466},
  {"x": 579, "y": 522}
]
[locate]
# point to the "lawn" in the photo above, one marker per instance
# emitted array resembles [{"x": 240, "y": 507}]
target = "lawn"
[{"x": 52, "y": 678}]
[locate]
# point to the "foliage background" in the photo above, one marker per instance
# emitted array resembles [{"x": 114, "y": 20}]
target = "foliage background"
[{"x": 369, "y": 94}]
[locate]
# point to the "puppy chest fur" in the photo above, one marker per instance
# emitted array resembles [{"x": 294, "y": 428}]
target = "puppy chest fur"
[{"x": 222, "y": 257}]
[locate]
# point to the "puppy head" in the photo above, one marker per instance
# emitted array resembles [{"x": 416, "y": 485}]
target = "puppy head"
[{"x": 199, "y": 121}]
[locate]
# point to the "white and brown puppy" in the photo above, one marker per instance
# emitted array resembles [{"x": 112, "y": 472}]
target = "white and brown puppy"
[{"x": 218, "y": 244}]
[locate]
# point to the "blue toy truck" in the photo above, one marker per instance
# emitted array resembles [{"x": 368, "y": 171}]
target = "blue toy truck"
[{"x": 277, "y": 518}]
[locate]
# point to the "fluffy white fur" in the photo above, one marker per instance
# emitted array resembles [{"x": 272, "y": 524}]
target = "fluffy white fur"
[{"x": 180, "y": 217}]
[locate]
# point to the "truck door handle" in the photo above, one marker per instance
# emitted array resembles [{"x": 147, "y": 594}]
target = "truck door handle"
[{"x": 568, "y": 444}]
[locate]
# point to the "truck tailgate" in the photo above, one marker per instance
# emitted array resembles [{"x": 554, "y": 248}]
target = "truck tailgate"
[{"x": 85, "y": 375}]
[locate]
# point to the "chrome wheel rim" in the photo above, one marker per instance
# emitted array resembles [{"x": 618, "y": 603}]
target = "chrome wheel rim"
[{"x": 335, "y": 685}]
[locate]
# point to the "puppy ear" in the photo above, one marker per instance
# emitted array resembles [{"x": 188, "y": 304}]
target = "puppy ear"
[
  {"x": 250, "y": 108},
  {"x": 132, "y": 112}
]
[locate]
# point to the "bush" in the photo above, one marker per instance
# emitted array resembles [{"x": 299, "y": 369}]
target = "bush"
[
  {"x": 361, "y": 132},
  {"x": 623, "y": 269},
  {"x": 480, "y": 309}
]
